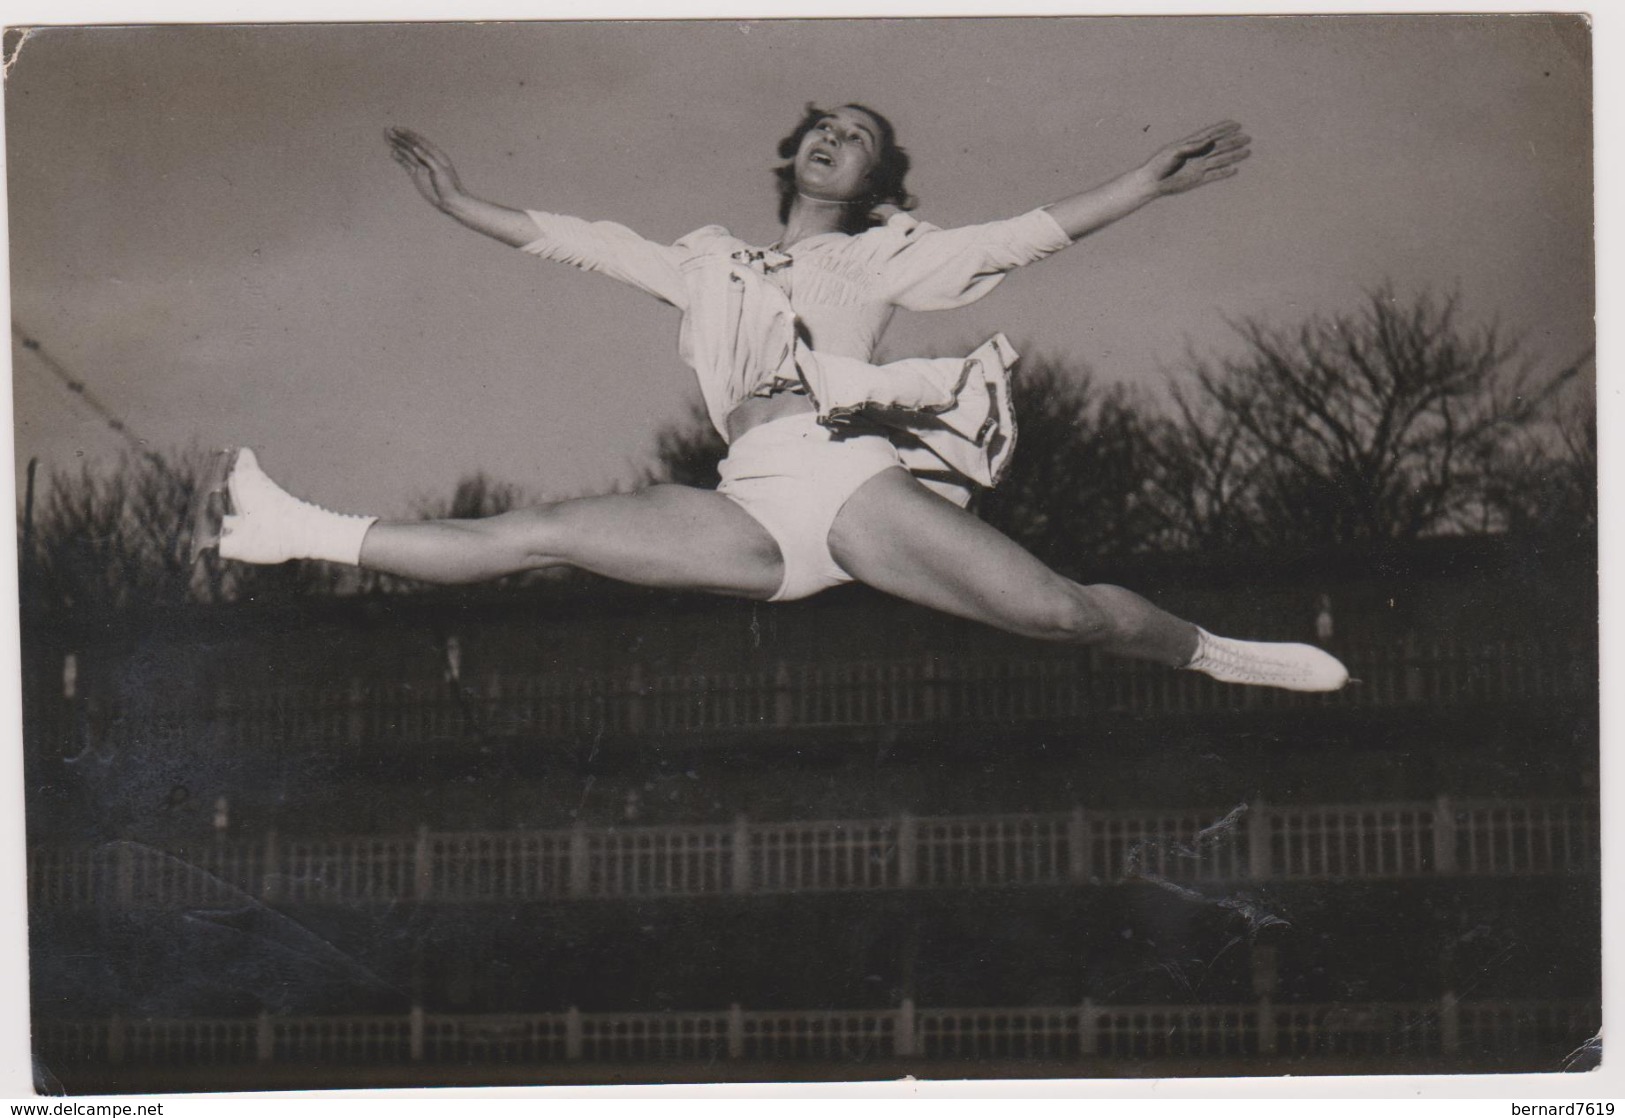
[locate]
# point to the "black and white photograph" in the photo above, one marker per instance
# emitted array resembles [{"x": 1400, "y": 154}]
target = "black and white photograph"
[{"x": 763, "y": 551}]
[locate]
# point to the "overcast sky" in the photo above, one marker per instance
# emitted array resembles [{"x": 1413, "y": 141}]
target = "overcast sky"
[{"x": 207, "y": 229}]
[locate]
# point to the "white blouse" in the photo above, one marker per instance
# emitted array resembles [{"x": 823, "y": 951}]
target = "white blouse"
[{"x": 742, "y": 306}]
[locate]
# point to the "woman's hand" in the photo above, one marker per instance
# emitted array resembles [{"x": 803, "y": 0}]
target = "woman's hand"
[
  {"x": 1208, "y": 156},
  {"x": 432, "y": 173},
  {"x": 436, "y": 179}
]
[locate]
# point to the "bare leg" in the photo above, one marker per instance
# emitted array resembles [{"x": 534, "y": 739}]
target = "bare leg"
[
  {"x": 667, "y": 535},
  {"x": 898, "y": 536}
]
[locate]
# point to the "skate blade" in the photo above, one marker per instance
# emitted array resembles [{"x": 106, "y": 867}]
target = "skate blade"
[{"x": 210, "y": 504}]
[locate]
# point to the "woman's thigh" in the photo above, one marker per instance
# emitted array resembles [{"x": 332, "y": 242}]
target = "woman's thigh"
[
  {"x": 898, "y": 536},
  {"x": 667, "y": 536}
]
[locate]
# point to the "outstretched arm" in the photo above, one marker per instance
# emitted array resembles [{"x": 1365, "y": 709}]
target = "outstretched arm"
[
  {"x": 436, "y": 179},
  {"x": 1208, "y": 156},
  {"x": 943, "y": 268},
  {"x": 593, "y": 246}
]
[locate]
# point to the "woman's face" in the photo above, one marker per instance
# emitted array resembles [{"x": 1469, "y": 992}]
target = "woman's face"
[{"x": 837, "y": 156}]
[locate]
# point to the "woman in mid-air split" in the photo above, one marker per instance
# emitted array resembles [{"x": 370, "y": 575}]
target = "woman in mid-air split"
[{"x": 837, "y": 469}]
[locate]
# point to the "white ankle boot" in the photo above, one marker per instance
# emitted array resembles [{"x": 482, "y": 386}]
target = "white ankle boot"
[
  {"x": 1294, "y": 667},
  {"x": 267, "y": 525}
]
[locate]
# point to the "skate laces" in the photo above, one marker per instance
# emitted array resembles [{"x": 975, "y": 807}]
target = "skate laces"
[
  {"x": 270, "y": 525},
  {"x": 254, "y": 493},
  {"x": 1271, "y": 664},
  {"x": 1265, "y": 669}
]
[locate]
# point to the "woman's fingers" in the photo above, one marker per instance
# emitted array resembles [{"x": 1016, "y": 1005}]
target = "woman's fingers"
[
  {"x": 415, "y": 147},
  {"x": 423, "y": 177},
  {"x": 1226, "y": 159},
  {"x": 433, "y": 152},
  {"x": 1211, "y": 148},
  {"x": 1196, "y": 164},
  {"x": 413, "y": 154},
  {"x": 1224, "y": 153},
  {"x": 1217, "y": 137},
  {"x": 409, "y": 161},
  {"x": 400, "y": 140},
  {"x": 399, "y": 145},
  {"x": 397, "y": 134},
  {"x": 404, "y": 159},
  {"x": 421, "y": 147}
]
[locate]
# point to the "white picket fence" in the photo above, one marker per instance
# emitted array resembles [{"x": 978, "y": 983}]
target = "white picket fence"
[
  {"x": 1442, "y": 1028},
  {"x": 931, "y": 690},
  {"x": 1258, "y": 842}
]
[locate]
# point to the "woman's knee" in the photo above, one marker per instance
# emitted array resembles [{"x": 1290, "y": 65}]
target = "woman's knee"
[
  {"x": 537, "y": 535},
  {"x": 1072, "y": 614}
]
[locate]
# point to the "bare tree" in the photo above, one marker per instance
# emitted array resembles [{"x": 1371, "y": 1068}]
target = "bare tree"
[
  {"x": 1391, "y": 422},
  {"x": 107, "y": 539},
  {"x": 477, "y": 495},
  {"x": 1545, "y": 478},
  {"x": 83, "y": 555},
  {"x": 688, "y": 451},
  {"x": 1202, "y": 477}
]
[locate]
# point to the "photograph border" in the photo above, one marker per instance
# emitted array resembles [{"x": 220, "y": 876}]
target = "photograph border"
[{"x": 15, "y": 1074}]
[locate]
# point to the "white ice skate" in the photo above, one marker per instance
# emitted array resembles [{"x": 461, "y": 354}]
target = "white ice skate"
[
  {"x": 1293, "y": 667},
  {"x": 247, "y": 517}
]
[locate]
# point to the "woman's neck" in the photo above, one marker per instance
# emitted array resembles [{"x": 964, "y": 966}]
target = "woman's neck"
[{"x": 811, "y": 217}]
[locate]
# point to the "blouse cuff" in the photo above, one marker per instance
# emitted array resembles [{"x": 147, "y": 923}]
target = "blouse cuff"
[
  {"x": 1047, "y": 234},
  {"x": 544, "y": 233}
]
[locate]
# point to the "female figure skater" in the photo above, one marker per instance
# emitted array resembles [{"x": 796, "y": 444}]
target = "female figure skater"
[{"x": 838, "y": 469}]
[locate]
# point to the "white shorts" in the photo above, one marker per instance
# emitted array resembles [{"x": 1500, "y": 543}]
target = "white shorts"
[{"x": 792, "y": 476}]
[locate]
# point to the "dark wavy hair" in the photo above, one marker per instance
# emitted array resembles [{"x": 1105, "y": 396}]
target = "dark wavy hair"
[{"x": 885, "y": 181}]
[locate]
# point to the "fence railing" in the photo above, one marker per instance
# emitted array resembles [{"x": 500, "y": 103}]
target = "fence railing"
[
  {"x": 1441, "y": 1028},
  {"x": 928, "y": 690},
  {"x": 1250, "y": 842}
]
